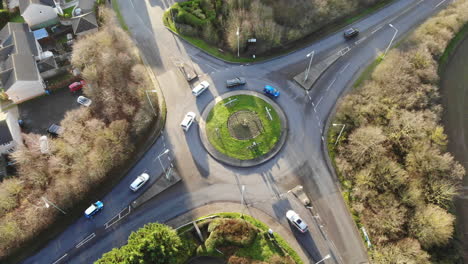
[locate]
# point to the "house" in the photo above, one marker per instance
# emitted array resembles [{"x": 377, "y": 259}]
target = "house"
[
  {"x": 40, "y": 13},
  {"x": 20, "y": 79},
  {"x": 85, "y": 24},
  {"x": 10, "y": 132}
]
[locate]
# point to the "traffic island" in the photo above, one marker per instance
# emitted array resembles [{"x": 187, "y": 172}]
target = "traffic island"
[{"x": 243, "y": 128}]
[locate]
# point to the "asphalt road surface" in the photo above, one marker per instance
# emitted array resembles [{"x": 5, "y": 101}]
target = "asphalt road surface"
[{"x": 302, "y": 160}]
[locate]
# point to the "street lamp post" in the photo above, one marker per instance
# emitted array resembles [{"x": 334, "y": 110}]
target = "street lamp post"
[
  {"x": 325, "y": 258},
  {"x": 311, "y": 55},
  {"x": 237, "y": 33},
  {"x": 149, "y": 100},
  {"x": 394, "y": 35},
  {"x": 48, "y": 203},
  {"x": 160, "y": 162},
  {"x": 242, "y": 200},
  {"x": 336, "y": 142}
]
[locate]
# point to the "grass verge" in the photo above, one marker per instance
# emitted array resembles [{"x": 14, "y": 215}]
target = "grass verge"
[
  {"x": 451, "y": 47},
  {"x": 16, "y": 17},
  {"x": 283, "y": 50},
  {"x": 219, "y": 134},
  {"x": 262, "y": 249},
  {"x": 116, "y": 7}
]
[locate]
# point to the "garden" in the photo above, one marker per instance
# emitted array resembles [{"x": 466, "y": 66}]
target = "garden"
[
  {"x": 243, "y": 127},
  {"x": 228, "y": 237}
]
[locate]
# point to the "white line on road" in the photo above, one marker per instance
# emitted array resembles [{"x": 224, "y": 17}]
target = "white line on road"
[
  {"x": 86, "y": 240},
  {"x": 58, "y": 260},
  {"x": 377, "y": 29},
  {"x": 320, "y": 100},
  {"x": 439, "y": 4},
  {"x": 343, "y": 51},
  {"x": 211, "y": 67},
  {"x": 313, "y": 104},
  {"x": 334, "y": 80},
  {"x": 344, "y": 68},
  {"x": 360, "y": 40},
  {"x": 315, "y": 110},
  {"x": 323, "y": 139}
]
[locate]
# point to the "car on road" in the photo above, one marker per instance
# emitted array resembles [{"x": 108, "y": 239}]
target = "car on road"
[
  {"x": 139, "y": 181},
  {"x": 76, "y": 86},
  {"x": 269, "y": 90},
  {"x": 94, "y": 209},
  {"x": 235, "y": 82},
  {"x": 200, "y": 88},
  {"x": 84, "y": 101},
  {"x": 350, "y": 33},
  {"x": 188, "y": 121},
  {"x": 55, "y": 130},
  {"x": 297, "y": 221}
]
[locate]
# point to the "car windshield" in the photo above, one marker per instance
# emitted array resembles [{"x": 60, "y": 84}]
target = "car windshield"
[{"x": 349, "y": 31}]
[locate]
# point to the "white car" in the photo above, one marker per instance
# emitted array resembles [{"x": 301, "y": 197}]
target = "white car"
[
  {"x": 84, "y": 101},
  {"x": 296, "y": 220},
  {"x": 139, "y": 181},
  {"x": 94, "y": 209},
  {"x": 200, "y": 88},
  {"x": 188, "y": 121}
]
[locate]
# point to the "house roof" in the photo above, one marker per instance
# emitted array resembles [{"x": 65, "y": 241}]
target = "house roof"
[
  {"x": 84, "y": 23},
  {"x": 23, "y": 4},
  {"x": 5, "y": 134},
  {"x": 17, "y": 54},
  {"x": 47, "y": 64}
]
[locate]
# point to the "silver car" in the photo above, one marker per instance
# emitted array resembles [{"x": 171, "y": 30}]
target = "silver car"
[
  {"x": 139, "y": 181},
  {"x": 296, "y": 220}
]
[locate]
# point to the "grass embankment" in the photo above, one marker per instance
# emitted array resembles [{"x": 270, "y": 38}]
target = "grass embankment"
[
  {"x": 453, "y": 44},
  {"x": 198, "y": 23},
  {"x": 398, "y": 180},
  {"x": 224, "y": 142},
  {"x": 116, "y": 7}
]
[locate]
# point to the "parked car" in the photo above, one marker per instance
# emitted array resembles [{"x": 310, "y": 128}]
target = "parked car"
[
  {"x": 55, "y": 130},
  {"x": 188, "y": 121},
  {"x": 94, "y": 209},
  {"x": 269, "y": 90},
  {"x": 200, "y": 88},
  {"x": 296, "y": 221},
  {"x": 84, "y": 101},
  {"x": 351, "y": 33},
  {"x": 76, "y": 86},
  {"x": 235, "y": 82},
  {"x": 139, "y": 181}
]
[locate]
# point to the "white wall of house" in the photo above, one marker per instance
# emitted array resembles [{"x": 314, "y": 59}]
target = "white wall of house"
[
  {"x": 11, "y": 117},
  {"x": 21, "y": 91},
  {"x": 7, "y": 148},
  {"x": 36, "y": 14}
]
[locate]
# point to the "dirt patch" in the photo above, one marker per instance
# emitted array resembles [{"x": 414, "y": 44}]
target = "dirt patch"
[{"x": 244, "y": 125}]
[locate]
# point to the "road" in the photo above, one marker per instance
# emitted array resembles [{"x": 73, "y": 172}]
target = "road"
[{"x": 303, "y": 159}]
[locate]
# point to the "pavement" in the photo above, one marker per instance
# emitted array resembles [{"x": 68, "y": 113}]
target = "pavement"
[
  {"x": 302, "y": 160},
  {"x": 233, "y": 161}
]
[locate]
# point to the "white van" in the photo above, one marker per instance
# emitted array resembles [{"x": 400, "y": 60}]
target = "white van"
[
  {"x": 188, "y": 120},
  {"x": 200, "y": 88}
]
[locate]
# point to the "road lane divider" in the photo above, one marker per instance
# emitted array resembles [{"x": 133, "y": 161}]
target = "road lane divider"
[
  {"x": 58, "y": 260},
  {"x": 126, "y": 211},
  {"x": 86, "y": 240}
]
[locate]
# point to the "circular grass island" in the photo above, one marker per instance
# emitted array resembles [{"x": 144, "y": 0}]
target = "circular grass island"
[{"x": 243, "y": 126}]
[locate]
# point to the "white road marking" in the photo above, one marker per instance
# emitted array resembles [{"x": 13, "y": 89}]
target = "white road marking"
[
  {"x": 315, "y": 110},
  {"x": 118, "y": 217},
  {"x": 86, "y": 240},
  {"x": 211, "y": 67},
  {"x": 323, "y": 139},
  {"x": 439, "y": 4},
  {"x": 334, "y": 80},
  {"x": 377, "y": 29},
  {"x": 360, "y": 40},
  {"x": 343, "y": 51},
  {"x": 320, "y": 100},
  {"x": 313, "y": 105},
  {"x": 344, "y": 68},
  {"x": 57, "y": 261}
]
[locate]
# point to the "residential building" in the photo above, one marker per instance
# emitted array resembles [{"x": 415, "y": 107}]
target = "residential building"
[
  {"x": 40, "y": 13},
  {"x": 19, "y": 75}
]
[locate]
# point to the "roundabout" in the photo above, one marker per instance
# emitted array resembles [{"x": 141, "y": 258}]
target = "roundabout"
[{"x": 243, "y": 128}]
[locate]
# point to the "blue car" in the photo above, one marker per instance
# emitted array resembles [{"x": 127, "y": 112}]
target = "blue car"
[
  {"x": 269, "y": 90},
  {"x": 94, "y": 209}
]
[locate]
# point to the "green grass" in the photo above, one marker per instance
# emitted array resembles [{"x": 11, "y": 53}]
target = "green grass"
[
  {"x": 366, "y": 74},
  {"x": 116, "y": 7},
  {"x": 16, "y": 17},
  {"x": 453, "y": 44},
  {"x": 262, "y": 248},
  {"x": 228, "y": 145},
  {"x": 68, "y": 11}
]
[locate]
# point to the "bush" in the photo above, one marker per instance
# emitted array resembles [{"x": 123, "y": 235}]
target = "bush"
[{"x": 392, "y": 158}]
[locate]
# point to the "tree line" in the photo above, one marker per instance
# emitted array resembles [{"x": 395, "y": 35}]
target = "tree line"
[
  {"x": 398, "y": 179},
  {"x": 95, "y": 140}
]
